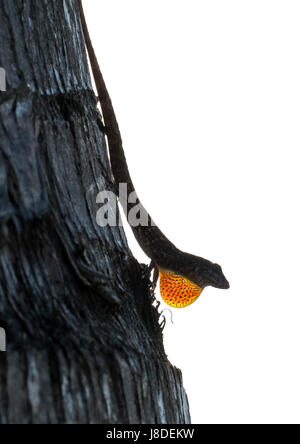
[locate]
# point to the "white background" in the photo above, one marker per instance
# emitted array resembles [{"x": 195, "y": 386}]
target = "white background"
[{"x": 207, "y": 94}]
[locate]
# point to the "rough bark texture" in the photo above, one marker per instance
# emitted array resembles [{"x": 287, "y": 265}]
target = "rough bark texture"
[{"x": 84, "y": 340}]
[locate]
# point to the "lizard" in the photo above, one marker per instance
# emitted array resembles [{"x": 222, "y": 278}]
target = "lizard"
[{"x": 183, "y": 276}]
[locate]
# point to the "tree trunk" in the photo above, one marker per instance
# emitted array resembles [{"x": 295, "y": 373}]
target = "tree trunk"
[{"x": 84, "y": 341}]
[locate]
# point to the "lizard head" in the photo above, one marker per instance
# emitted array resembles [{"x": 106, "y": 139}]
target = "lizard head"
[
  {"x": 215, "y": 277},
  {"x": 203, "y": 272}
]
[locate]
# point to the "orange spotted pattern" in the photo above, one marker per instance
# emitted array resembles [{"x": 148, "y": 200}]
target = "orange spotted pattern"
[{"x": 176, "y": 290}]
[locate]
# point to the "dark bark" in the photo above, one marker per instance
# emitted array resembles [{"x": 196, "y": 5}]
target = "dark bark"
[{"x": 84, "y": 342}]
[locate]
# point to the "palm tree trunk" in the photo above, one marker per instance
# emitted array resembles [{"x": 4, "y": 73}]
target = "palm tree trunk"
[{"x": 84, "y": 341}]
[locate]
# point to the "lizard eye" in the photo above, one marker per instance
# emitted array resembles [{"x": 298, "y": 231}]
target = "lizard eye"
[{"x": 218, "y": 267}]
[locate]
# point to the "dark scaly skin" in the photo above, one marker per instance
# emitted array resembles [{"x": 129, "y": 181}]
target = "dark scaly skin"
[{"x": 153, "y": 242}]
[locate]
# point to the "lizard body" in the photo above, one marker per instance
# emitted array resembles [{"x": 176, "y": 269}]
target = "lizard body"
[{"x": 183, "y": 276}]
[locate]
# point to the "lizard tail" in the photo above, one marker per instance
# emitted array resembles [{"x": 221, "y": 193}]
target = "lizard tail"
[{"x": 115, "y": 143}]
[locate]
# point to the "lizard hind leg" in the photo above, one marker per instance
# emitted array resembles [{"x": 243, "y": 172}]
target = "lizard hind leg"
[{"x": 176, "y": 290}]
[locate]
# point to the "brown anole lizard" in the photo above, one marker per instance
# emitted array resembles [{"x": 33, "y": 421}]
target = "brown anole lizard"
[{"x": 183, "y": 276}]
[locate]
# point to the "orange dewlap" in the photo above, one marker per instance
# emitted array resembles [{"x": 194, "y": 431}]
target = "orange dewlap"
[{"x": 176, "y": 290}]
